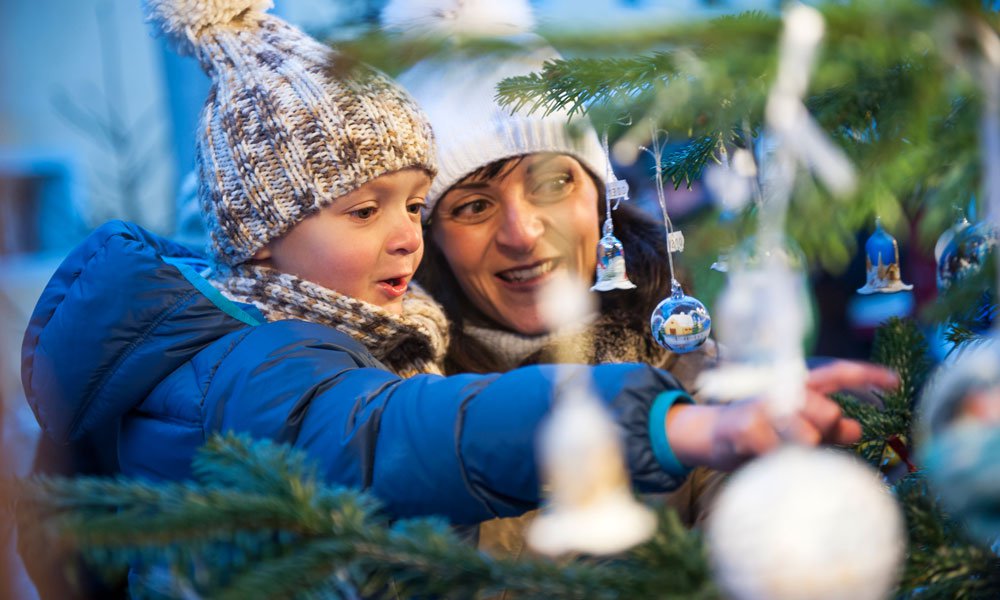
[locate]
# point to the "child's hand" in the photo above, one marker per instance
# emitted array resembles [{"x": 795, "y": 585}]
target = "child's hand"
[{"x": 724, "y": 436}]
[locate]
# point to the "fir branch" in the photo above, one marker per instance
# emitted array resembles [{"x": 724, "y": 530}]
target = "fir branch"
[
  {"x": 941, "y": 563},
  {"x": 256, "y": 522},
  {"x": 901, "y": 346},
  {"x": 573, "y": 85}
]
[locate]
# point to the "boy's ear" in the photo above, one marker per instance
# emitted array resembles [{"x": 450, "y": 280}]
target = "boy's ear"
[{"x": 262, "y": 254}]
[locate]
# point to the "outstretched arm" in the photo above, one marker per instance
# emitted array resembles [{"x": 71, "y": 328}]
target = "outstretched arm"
[{"x": 725, "y": 436}]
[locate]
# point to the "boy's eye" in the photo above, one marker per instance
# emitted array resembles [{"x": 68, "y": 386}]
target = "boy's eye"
[
  {"x": 415, "y": 207},
  {"x": 364, "y": 213}
]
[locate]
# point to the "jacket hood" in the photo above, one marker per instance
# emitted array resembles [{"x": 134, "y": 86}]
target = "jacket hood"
[{"x": 121, "y": 313}]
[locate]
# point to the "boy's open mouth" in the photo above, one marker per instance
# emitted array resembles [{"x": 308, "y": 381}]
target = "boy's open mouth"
[{"x": 394, "y": 287}]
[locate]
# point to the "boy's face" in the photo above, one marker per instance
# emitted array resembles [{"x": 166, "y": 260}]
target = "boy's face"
[{"x": 366, "y": 245}]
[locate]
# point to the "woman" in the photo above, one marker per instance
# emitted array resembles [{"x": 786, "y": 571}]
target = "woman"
[{"x": 519, "y": 198}]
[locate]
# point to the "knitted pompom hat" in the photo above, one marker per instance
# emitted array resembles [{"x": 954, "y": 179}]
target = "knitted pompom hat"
[
  {"x": 286, "y": 129},
  {"x": 458, "y": 92}
]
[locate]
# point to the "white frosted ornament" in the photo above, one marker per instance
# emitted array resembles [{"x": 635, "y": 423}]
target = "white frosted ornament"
[
  {"x": 589, "y": 504},
  {"x": 806, "y": 524}
]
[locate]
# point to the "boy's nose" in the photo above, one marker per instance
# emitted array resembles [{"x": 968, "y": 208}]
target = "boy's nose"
[{"x": 406, "y": 236}]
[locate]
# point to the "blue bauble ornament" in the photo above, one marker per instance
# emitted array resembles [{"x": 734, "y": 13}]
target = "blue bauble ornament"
[
  {"x": 965, "y": 253},
  {"x": 680, "y": 323}
]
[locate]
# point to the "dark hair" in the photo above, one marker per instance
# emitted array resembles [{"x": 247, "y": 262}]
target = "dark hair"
[{"x": 645, "y": 261}]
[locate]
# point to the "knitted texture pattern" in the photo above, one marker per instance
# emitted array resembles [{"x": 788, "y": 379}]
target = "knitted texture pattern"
[
  {"x": 409, "y": 344},
  {"x": 603, "y": 340},
  {"x": 288, "y": 125},
  {"x": 458, "y": 93}
]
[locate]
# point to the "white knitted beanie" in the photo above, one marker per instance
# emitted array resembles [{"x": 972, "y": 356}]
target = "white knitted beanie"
[
  {"x": 287, "y": 127},
  {"x": 458, "y": 92}
]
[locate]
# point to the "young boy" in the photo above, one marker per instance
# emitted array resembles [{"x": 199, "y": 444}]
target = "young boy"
[{"x": 307, "y": 330}]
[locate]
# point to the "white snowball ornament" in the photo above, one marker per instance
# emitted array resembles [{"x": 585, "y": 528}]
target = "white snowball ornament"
[{"x": 802, "y": 524}]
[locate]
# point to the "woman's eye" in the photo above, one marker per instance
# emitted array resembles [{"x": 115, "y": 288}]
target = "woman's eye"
[
  {"x": 470, "y": 209},
  {"x": 364, "y": 213},
  {"x": 555, "y": 185}
]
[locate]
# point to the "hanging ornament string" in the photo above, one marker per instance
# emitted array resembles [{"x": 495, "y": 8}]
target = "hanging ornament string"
[
  {"x": 611, "y": 269},
  {"x": 609, "y": 179},
  {"x": 657, "y": 153},
  {"x": 680, "y": 323}
]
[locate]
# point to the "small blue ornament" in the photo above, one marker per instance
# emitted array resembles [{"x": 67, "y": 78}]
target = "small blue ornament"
[
  {"x": 949, "y": 234},
  {"x": 882, "y": 264},
  {"x": 965, "y": 253},
  {"x": 680, "y": 323},
  {"x": 611, "y": 273}
]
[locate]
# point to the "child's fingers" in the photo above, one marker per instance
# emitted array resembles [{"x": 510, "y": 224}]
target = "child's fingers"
[
  {"x": 822, "y": 412},
  {"x": 847, "y": 432},
  {"x": 800, "y": 430},
  {"x": 844, "y": 374}
]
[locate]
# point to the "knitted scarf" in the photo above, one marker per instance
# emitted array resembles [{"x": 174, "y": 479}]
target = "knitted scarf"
[
  {"x": 411, "y": 343},
  {"x": 605, "y": 339}
]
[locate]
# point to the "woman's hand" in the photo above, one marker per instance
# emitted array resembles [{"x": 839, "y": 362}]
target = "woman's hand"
[{"x": 725, "y": 436}]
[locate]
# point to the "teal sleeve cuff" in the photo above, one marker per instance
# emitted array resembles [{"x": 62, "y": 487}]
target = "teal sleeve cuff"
[{"x": 658, "y": 431}]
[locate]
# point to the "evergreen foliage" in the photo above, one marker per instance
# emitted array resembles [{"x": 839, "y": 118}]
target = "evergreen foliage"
[
  {"x": 900, "y": 345},
  {"x": 255, "y": 522},
  {"x": 941, "y": 561},
  {"x": 896, "y": 86}
]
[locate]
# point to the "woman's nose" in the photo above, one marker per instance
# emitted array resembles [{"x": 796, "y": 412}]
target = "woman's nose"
[{"x": 520, "y": 228}]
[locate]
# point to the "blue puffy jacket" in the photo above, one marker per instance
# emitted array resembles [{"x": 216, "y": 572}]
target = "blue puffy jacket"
[{"x": 127, "y": 329}]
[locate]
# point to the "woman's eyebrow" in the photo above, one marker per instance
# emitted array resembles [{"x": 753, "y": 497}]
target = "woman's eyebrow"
[
  {"x": 542, "y": 163},
  {"x": 471, "y": 185}
]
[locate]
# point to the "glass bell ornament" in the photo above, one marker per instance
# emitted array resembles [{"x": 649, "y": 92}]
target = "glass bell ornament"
[
  {"x": 882, "y": 264},
  {"x": 965, "y": 253},
  {"x": 680, "y": 323},
  {"x": 611, "y": 273}
]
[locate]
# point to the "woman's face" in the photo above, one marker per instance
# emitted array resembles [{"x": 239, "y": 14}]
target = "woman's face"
[{"x": 505, "y": 237}]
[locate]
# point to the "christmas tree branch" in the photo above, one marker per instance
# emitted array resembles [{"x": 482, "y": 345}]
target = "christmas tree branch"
[
  {"x": 255, "y": 521},
  {"x": 941, "y": 562}
]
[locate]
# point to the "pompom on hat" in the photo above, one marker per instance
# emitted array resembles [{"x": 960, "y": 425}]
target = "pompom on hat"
[
  {"x": 458, "y": 92},
  {"x": 285, "y": 129}
]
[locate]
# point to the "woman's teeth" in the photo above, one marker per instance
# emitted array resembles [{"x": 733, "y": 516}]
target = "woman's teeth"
[{"x": 518, "y": 275}]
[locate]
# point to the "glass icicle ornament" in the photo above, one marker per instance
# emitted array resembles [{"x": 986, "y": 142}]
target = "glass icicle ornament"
[
  {"x": 882, "y": 264},
  {"x": 680, "y": 323},
  {"x": 611, "y": 273},
  {"x": 762, "y": 314},
  {"x": 589, "y": 503}
]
